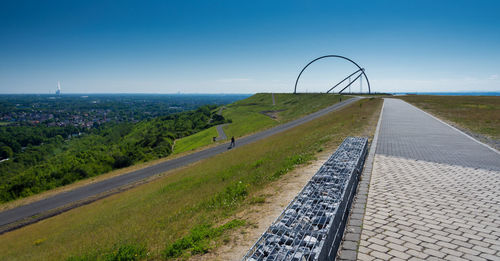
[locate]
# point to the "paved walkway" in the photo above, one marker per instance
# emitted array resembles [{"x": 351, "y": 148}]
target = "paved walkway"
[
  {"x": 220, "y": 131},
  {"x": 434, "y": 193},
  {"x": 408, "y": 132}
]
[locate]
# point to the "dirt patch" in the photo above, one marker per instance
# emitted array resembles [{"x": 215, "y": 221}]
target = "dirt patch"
[
  {"x": 260, "y": 216},
  {"x": 272, "y": 114}
]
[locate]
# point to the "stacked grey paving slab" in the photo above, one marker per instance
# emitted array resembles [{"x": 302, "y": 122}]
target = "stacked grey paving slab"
[{"x": 312, "y": 225}]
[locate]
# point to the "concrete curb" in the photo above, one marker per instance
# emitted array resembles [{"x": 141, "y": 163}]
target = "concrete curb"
[{"x": 348, "y": 250}]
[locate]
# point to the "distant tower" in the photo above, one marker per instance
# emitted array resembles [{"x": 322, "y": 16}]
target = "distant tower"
[{"x": 58, "y": 91}]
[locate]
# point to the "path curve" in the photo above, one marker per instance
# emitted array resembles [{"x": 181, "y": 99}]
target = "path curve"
[
  {"x": 82, "y": 193},
  {"x": 220, "y": 131}
]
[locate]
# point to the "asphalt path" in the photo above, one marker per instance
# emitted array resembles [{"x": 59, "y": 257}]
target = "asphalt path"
[
  {"x": 220, "y": 131},
  {"x": 94, "y": 189}
]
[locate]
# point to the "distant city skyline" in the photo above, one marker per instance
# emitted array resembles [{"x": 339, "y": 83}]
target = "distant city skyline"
[{"x": 247, "y": 47}]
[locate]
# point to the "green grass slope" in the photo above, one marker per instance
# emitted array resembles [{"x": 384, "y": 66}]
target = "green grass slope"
[
  {"x": 182, "y": 213},
  {"x": 195, "y": 141},
  {"x": 248, "y": 115}
]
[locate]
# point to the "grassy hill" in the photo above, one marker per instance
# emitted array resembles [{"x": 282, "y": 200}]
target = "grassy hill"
[
  {"x": 182, "y": 213},
  {"x": 57, "y": 162},
  {"x": 257, "y": 113}
]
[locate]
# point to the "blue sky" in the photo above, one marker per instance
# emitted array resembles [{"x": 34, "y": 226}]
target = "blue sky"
[{"x": 246, "y": 46}]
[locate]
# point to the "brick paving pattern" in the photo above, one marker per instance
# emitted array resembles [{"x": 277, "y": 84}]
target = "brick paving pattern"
[
  {"x": 434, "y": 193},
  {"x": 426, "y": 210}
]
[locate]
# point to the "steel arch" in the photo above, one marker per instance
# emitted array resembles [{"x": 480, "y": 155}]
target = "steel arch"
[{"x": 332, "y": 56}]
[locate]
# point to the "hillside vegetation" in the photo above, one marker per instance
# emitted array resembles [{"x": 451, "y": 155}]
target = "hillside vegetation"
[
  {"x": 184, "y": 212},
  {"x": 50, "y": 160},
  {"x": 479, "y": 114},
  {"x": 257, "y": 113}
]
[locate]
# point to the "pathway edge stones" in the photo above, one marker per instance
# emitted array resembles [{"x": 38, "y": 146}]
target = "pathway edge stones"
[{"x": 348, "y": 250}]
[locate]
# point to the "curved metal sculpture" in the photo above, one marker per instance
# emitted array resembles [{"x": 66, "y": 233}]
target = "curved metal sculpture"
[{"x": 334, "y": 56}]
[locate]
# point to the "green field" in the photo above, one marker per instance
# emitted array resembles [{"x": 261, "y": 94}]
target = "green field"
[
  {"x": 195, "y": 141},
  {"x": 478, "y": 114},
  {"x": 247, "y": 115},
  {"x": 184, "y": 212}
]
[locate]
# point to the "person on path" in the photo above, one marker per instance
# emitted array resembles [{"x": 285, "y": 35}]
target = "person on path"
[{"x": 232, "y": 142}]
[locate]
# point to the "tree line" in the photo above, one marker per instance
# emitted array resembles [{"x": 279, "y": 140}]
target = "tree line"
[{"x": 42, "y": 158}]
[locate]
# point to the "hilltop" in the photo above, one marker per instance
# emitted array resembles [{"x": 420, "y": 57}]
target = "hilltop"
[{"x": 188, "y": 210}]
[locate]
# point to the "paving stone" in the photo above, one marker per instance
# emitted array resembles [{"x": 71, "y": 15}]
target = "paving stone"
[
  {"x": 468, "y": 251},
  {"x": 399, "y": 254},
  {"x": 352, "y": 237},
  {"x": 397, "y": 247},
  {"x": 484, "y": 250},
  {"x": 348, "y": 254},
  {"x": 378, "y": 241},
  {"x": 490, "y": 257},
  {"x": 426, "y": 239},
  {"x": 482, "y": 243},
  {"x": 496, "y": 247},
  {"x": 363, "y": 249},
  {"x": 431, "y": 246},
  {"x": 392, "y": 234},
  {"x": 380, "y": 255},
  {"x": 462, "y": 243},
  {"x": 447, "y": 245},
  {"x": 378, "y": 248},
  {"x": 350, "y": 245},
  {"x": 435, "y": 253},
  {"x": 414, "y": 246},
  {"x": 454, "y": 258},
  {"x": 441, "y": 238},
  {"x": 365, "y": 257},
  {"x": 451, "y": 252},
  {"x": 418, "y": 254},
  {"x": 416, "y": 259},
  {"x": 422, "y": 233},
  {"x": 473, "y": 257}
]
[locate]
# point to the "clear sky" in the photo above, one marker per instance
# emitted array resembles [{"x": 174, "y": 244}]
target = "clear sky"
[{"x": 246, "y": 46}]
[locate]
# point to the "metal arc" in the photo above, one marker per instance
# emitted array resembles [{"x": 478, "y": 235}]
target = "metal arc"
[{"x": 332, "y": 56}]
